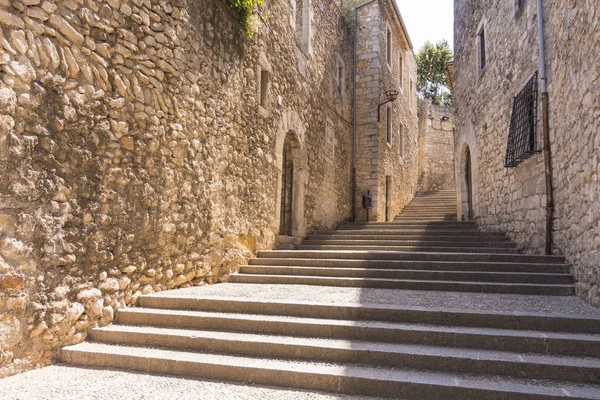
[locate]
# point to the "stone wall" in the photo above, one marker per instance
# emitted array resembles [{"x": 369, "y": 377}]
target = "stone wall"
[
  {"x": 513, "y": 199},
  {"x": 138, "y": 152},
  {"x": 436, "y": 147},
  {"x": 376, "y": 158}
]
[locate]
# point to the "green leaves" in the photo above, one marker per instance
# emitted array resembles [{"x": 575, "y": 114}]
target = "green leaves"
[
  {"x": 244, "y": 9},
  {"x": 432, "y": 82}
]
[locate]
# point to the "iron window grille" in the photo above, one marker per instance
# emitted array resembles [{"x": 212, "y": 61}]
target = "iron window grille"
[{"x": 522, "y": 136}]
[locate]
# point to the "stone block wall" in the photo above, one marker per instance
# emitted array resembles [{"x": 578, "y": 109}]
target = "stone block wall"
[
  {"x": 137, "y": 155},
  {"x": 376, "y": 158},
  {"x": 436, "y": 147},
  {"x": 513, "y": 199}
]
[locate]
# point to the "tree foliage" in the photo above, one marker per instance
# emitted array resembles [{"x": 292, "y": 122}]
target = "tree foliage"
[
  {"x": 432, "y": 82},
  {"x": 244, "y": 9}
]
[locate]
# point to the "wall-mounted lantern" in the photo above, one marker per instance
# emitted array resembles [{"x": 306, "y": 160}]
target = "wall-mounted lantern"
[{"x": 391, "y": 95}]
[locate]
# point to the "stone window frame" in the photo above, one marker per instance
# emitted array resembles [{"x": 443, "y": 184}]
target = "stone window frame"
[
  {"x": 411, "y": 95},
  {"x": 302, "y": 29},
  {"x": 401, "y": 70},
  {"x": 482, "y": 35},
  {"x": 389, "y": 46},
  {"x": 340, "y": 80},
  {"x": 263, "y": 91},
  {"x": 389, "y": 124},
  {"x": 519, "y": 7},
  {"x": 401, "y": 129}
]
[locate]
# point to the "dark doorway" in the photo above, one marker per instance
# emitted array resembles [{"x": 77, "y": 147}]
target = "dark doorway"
[
  {"x": 287, "y": 184},
  {"x": 388, "y": 195},
  {"x": 469, "y": 181}
]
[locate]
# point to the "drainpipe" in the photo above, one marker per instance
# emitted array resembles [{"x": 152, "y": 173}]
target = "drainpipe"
[
  {"x": 355, "y": 12},
  {"x": 545, "y": 132}
]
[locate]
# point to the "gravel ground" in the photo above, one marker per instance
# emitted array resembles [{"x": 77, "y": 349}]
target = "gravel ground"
[
  {"x": 60, "y": 382},
  {"x": 560, "y": 305}
]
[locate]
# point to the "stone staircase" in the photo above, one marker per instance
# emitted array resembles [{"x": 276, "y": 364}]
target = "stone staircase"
[{"x": 285, "y": 320}]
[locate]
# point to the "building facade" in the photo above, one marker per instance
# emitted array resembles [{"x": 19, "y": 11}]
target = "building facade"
[
  {"x": 151, "y": 144},
  {"x": 387, "y": 132},
  {"x": 501, "y": 181},
  {"x": 436, "y": 147}
]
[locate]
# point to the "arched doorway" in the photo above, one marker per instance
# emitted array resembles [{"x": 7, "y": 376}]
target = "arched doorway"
[
  {"x": 291, "y": 158},
  {"x": 466, "y": 174},
  {"x": 287, "y": 189}
]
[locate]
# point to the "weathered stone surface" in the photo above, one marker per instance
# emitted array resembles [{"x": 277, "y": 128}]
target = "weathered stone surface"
[
  {"x": 65, "y": 28},
  {"x": 436, "y": 147},
  {"x": 514, "y": 199},
  {"x": 11, "y": 20},
  {"x": 139, "y": 154},
  {"x": 381, "y": 160}
]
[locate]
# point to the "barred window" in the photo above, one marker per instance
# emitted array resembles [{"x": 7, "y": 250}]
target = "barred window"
[{"x": 522, "y": 136}]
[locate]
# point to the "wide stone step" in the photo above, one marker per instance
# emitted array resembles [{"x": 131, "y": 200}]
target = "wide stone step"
[
  {"x": 418, "y": 219},
  {"x": 416, "y": 256},
  {"x": 414, "y": 225},
  {"x": 475, "y": 276},
  {"x": 426, "y": 215},
  {"x": 480, "y": 240},
  {"x": 409, "y": 284},
  {"x": 417, "y": 356},
  {"x": 410, "y": 231},
  {"x": 333, "y": 240},
  {"x": 410, "y": 265},
  {"x": 460, "y": 224},
  {"x": 342, "y": 378},
  {"x": 418, "y": 247},
  {"x": 375, "y": 312},
  {"x": 529, "y": 341}
]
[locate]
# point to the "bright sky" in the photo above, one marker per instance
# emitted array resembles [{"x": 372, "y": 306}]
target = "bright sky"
[{"x": 431, "y": 20}]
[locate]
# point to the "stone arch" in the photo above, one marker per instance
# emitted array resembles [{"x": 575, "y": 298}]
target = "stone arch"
[
  {"x": 291, "y": 134},
  {"x": 466, "y": 170}
]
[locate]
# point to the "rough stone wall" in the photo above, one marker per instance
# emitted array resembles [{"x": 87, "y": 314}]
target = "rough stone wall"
[
  {"x": 513, "y": 199},
  {"x": 376, "y": 158},
  {"x": 436, "y": 147},
  {"x": 135, "y": 156}
]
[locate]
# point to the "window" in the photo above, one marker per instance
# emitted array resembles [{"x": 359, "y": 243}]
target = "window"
[
  {"x": 410, "y": 95},
  {"x": 301, "y": 10},
  {"x": 481, "y": 48},
  {"x": 388, "y": 124},
  {"x": 401, "y": 71},
  {"x": 388, "y": 47},
  {"x": 340, "y": 77},
  {"x": 265, "y": 78},
  {"x": 519, "y": 7},
  {"x": 401, "y": 140},
  {"x": 522, "y": 135}
]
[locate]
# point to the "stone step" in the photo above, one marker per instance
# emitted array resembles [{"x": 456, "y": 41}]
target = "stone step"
[
  {"x": 416, "y": 256},
  {"x": 416, "y": 218},
  {"x": 473, "y": 239},
  {"x": 428, "y": 224},
  {"x": 408, "y": 264},
  {"x": 412, "y": 231},
  {"x": 410, "y": 248},
  {"x": 341, "y": 378},
  {"x": 374, "y": 312},
  {"x": 429, "y": 210},
  {"x": 529, "y": 341},
  {"x": 426, "y": 215},
  {"x": 413, "y": 206},
  {"x": 404, "y": 274},
  {"x": 406, "y": 225},
  {"x": 311, "y": 241},
  {"x": 416, "y": 356},
  {"x": 407, "y": 284}
]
